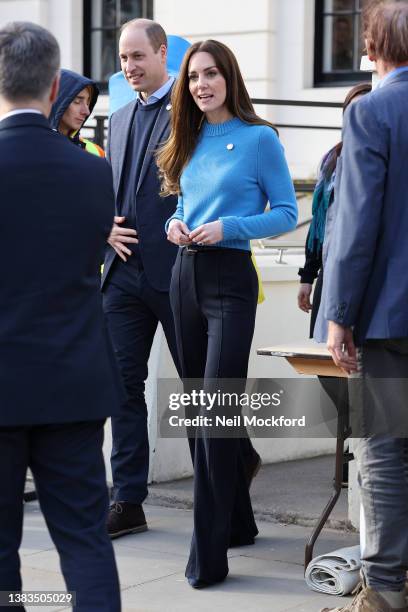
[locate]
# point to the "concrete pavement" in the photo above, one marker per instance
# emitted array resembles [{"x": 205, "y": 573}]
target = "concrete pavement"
[
  {"x": 266, "y": 577},
  {"x": 288, "y": 492}
]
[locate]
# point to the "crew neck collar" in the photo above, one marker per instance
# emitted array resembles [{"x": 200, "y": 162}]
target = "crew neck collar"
[{"x": 219, "y": 129}]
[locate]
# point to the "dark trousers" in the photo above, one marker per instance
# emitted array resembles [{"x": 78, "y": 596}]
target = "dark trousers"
[
  {"x": 213, "y": 296},
  {"x": 132, "y": 318},
  {"x": 378, "y": 397},
  {"x": 69, "y": 472}
]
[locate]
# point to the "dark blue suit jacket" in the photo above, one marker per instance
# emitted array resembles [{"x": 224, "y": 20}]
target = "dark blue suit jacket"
[
  {"x": 157, "y": 253},
  {"x": 365, "y": 276},
  {"x": 57, "y": 206}
]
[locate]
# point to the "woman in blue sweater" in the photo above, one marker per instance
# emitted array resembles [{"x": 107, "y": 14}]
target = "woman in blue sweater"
[{"x": 225, "y": 163}]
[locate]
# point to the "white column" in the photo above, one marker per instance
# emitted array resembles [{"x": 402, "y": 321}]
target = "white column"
[
  {"x": 23, "y": 10},
  {"x": 65, "y": 20},
  {"x": 249, "y": 33}
]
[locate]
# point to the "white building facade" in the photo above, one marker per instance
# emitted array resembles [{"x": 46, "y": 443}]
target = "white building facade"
[
  {"x": 298, "y": 50},
  {"x": 305, "y": 50}
]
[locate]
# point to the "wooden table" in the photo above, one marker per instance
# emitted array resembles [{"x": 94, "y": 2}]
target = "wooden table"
[
  {"x": 306, "y": 359},
  {"x": 316, "y": 360}
]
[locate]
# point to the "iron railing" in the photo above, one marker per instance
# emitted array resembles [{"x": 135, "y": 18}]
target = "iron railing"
[
  {"x": 268, "y": 246},
  {"x": 304, "y": 104},
  {"x": 97, "y": 129}
]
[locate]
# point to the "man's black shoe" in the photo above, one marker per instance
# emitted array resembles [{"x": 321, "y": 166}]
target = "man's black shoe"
[{"x": 124, "y": 518}]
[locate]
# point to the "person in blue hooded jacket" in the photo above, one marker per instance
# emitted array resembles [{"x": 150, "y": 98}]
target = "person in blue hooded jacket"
[{"x": 76, "y": 100}]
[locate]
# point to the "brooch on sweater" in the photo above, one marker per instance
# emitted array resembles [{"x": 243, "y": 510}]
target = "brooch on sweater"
[{"x": 230, "y": 146}]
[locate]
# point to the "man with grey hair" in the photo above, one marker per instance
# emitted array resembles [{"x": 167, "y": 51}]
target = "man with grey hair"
[{"x": 57, "y": 376}]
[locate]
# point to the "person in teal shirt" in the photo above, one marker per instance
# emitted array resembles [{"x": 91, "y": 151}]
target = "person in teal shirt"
[{"x": 225, "y": 163}]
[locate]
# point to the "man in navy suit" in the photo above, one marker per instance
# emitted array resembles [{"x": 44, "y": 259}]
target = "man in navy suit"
[
  {"x": 138, "y": 263},
  {"x": 366, "y": 299},
  {"x": 58, "y": 381}
]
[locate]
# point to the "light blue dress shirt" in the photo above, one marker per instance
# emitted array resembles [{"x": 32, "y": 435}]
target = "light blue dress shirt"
[{"x": 158, "y": 94}]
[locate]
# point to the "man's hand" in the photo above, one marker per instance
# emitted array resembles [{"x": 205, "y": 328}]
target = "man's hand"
[
  {"x": 178, "y": 233},
  {"x": 341, "y": 346},
  {"x": 303, "y": 297},
  {"x": 120, "y": 236},
  {"x": 209, "y": 233}
]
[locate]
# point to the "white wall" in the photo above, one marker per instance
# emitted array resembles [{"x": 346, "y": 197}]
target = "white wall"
[
  {"x": 295, "y": 50},
  {"x": 65, "y": 20},
  {"x": 248, "y": 32},
  {"x": 272, "y": 39},
  {"x": 274, "y": 43},
  {"x": 23, "y": 10},
  {"x": 63, "y": 17},
  {"x": 280, "y": 321}
]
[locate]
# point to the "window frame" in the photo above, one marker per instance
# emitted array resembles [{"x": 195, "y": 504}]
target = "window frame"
[
  {"x": 147, "y": 11},
  {"x": 331, "y": 79}
]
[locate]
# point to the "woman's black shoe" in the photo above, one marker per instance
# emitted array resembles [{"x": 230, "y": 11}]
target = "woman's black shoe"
[{"x": 202, "y": 584}]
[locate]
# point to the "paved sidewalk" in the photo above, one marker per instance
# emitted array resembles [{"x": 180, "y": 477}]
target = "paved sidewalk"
[
  {"x": 288, "y": 492},
  {"x": 265, "y": 577}
]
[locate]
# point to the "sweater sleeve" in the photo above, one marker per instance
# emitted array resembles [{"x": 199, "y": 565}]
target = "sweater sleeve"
[
  {"x": 178, "y": 213},
  {"x": 275, "y": 182},
  {"x": 313, "y": 264}
]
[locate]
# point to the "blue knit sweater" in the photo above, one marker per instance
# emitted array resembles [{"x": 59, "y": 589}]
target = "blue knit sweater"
[{"x": 236, "y": 168}]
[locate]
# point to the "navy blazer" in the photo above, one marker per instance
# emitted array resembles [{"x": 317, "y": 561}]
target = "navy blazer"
[
  {"x": 157, "y": 253},
  {"x": 365, "y": 275},
  {"x": 57, "y": 206}
]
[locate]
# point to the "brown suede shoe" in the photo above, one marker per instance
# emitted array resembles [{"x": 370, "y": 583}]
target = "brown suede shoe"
[
  {"x": 124, "y": 518},
  {"x": 367, "y": 600}
]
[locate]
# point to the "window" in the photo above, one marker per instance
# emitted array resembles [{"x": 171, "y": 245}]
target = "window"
[
  {"x": 102, "y": 22},
  {"x": 339, "y": 42}
]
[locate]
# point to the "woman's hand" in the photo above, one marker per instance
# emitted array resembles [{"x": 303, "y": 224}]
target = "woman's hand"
[
  {"x": 178, "y": 233},
  {"x": 303, "y": 297},
  {"x": 209, "y": 233}
]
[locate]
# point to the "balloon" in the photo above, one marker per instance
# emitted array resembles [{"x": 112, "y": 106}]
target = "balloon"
[
  {"x": 176, "y": 50},
  {"x": 120, "y": 93}
]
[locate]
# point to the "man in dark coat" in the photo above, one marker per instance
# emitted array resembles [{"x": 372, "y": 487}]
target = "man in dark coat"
[{"x": 57, "y": 370}]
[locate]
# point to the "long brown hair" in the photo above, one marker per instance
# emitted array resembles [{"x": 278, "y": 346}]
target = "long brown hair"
[
  {"x": 186, "y": 118},
  {"x": 331, "y": 160}
]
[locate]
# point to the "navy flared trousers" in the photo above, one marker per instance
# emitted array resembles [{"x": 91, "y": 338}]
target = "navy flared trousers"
[{"x": 213, "y": 296}]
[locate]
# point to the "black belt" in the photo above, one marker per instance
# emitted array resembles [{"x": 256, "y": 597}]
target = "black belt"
[{"x": 195, "y": 248}]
